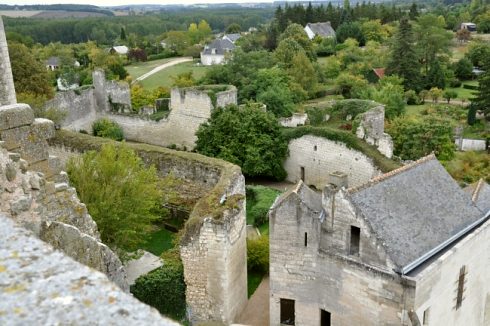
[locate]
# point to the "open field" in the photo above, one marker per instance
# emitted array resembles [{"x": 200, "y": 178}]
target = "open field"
[
  {"x": 140, "y": 68},
  {"x": 164, "y": 77},
  {"x": 19, "y": 13},
  {"x": 49, "y": 14}
]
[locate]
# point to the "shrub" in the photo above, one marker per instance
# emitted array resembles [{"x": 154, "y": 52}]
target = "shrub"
[
  {"x": 259, "y": 200},
  {"x": 455, "y": 82},
  {"x": 258, "y": 254},
  {"x": 107, "y": 129},
  {"x": 472, "y": 87},
  {"x": 163, "y": 288},
  {"x": 471, "y": 118},
  {"x": 411, "y": 97},
  {"x": 352, "y": 107}
]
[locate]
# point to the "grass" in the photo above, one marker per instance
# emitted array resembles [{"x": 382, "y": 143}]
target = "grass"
[
  {"x": 469, "y": 167},
  {"x": 164, "y": 77},
  {"x": 416, "y": 110},
  {"x": 259, "y": 200},
  {"x": 463, "y": 92},
  {"x": 159, "y": 241},
  {"x": 140, "y": 68},
  {"x": 253, "y": 283}
]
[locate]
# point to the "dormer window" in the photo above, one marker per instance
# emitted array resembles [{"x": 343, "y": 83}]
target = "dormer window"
[{"x": 355, "y": 239}]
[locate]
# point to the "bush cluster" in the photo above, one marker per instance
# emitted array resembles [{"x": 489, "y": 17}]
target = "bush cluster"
[
  {"x": 259, "y": 200},
  {"x": 258, "y": 254},
  {"x": 107, "y": 129}
]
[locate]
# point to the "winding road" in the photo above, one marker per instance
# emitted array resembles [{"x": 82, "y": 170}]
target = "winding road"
[{"x": 170, "y": 63}]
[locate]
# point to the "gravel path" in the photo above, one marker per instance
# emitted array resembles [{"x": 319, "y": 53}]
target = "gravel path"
[
  {"x": 256, "y": 312},
  {"x": 170, "y": 63},
  {"x": 143, "y": 265}
]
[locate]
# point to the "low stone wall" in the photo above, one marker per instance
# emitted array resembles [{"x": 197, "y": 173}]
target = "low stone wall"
[
  {"x": 213, "y": 242},
  {"x": 297, "y": 119},
  {"x": 313, "y": 158},
  {"x": 465, "y": 144},
  {"x": 371, "y": 129}
]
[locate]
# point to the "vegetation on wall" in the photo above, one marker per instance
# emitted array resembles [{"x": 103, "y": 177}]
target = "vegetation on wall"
[{"x": 107, "y": 129}]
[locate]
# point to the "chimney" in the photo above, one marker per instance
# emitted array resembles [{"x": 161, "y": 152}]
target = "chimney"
[
  {"x": 7, "y": 90},
  {"x": 338, "y": 179}
]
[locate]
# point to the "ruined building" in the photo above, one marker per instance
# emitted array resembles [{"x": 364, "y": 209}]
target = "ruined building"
[{"x": 409, "y": 247}]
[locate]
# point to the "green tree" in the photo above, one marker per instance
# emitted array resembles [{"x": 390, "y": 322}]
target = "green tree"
[
  {"x": 435, "y": 77},
  {"x": 204, "y": 30},
  {"x": 404, "y": 61},
  {"x": 435, "y": 94},
  {"x": 390, "y": 93},
  {"x": 350, "y": 30},
  {"x": 351, "y": 86},
  {"x": 184, "y": 79},
  {"x": 478, "y": 52},
  {"x": 298, "y": 34},
  {"x": 448, "y": 95},
  {"x": 463, "y": 69},
  {"x": 30, "y": 75},
  {"x": 121, "y": 194},
  {"x": 233, "y": 28},
  {"x": 374, "y": 31},
  {"x": 413, "y": 13},
  {"x": 248, "y": 137},
  {"x": 287, "y": 49},
  {"x": 123, "y": 34},
  {"x": 414, "y": 138},
  {"x": 482, "y": 100}
]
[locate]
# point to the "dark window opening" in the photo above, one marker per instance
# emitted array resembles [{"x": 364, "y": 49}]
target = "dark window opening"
[
  {"x": 287, "y": 312},
  {"x": 314, "y": 148},
  {"x": 303, "y": 173},
  {"x": 325, "y": 318},
  {"x": 306, "y": 239},
  {"x": 355, "y": 237},
  {"x": 461, "y": 282}
]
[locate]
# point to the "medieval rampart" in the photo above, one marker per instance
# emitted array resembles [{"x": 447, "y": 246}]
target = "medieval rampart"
[{"x": 213, "y": 242}]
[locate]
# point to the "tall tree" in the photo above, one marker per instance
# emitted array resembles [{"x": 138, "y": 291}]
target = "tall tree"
[
  {"x": 404, "y": 61},
  {"x": 413, "y": 13},
  {"x": 482, "y": 100},
  {"x": 435, "y": 77}
]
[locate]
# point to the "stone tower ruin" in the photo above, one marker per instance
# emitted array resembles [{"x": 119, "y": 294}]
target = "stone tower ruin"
[{"x": 7, "y": 90}]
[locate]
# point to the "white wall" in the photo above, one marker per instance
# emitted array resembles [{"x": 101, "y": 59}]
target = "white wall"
[{"x": 212, "y": 59}]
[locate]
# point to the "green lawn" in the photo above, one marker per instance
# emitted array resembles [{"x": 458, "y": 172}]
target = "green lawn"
[
  {"x": 164, "y": 77},
  {"x": 253, "y": 283},
  {"x": 259, "y": 200},
  {"x": 463, "y": 92},
  {"x": 140, "y": 68},
  {"x": 159, "y": 241}
]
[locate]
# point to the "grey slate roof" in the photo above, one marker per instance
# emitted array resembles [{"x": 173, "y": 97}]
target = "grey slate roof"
[
  {"x": 221, "y": 46},
  {"x": 53, "y": 61},
  {"x": 232, "y": 37},
  {"x": 322, "y": 29},
  {"x": 414, "y": 209},
  {"x": 480, "y": 194}
]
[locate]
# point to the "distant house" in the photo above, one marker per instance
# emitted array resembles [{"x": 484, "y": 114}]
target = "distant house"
[
  {"x": 323, "y": 30},
  {"x": 119, "y": 49},
  {"x": 469, "y": 26},
  {"x": 53, "y": 63},
  {"x": 231, "y": 37},
  {"x": 375, "y": 74},
  {"x": 214, "y": 53}
]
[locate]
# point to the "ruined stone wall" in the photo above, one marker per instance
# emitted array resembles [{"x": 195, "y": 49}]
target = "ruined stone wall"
[
  {"x": 300, "y": 270},
  {"x": 320, "y": 157},
  {"x": 35, "y": 193},
  {"x": 437, "y": 285},
  {"x": 7, "y": 90},
  {"x": 297, "y": 119},
  {"x": 371, "y": 129},
  {"x": 213, "y": 247},
  {"x": 80, "y": 108}
]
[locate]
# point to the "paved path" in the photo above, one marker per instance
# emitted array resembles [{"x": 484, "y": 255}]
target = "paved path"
[
  {"x": 143, "y": 265},
  {"x": 170, "y": 63},
  {"x": 256, "y": 312}
]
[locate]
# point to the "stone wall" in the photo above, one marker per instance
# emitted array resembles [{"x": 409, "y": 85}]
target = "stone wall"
[
  {"x": 80, "y": 108},
  {"x": 437, "y": 285},
  {"x": 315, "y": 278},
  {"x": 465, "y": 144},
  {"x": 297, "y": 119},
  {"x": 36, "y": 194},
  {"x": 371, "y": 129},
  {"x": 319, "y": 157},
  {"x": 213, "y": 246},
  {"x": 7, "y": 90}
]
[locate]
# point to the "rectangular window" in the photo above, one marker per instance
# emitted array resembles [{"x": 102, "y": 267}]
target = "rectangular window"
[
  {"x": 461, "y": 282},
  {"x": 426, "y": 317},
  {"x": 355, "y": 237},
  {"x": 303, "y": 173},
  {"x": 306, "y": 239},
  {"x": 287, "y": 312},
  {"x": 325, "y": 318}
]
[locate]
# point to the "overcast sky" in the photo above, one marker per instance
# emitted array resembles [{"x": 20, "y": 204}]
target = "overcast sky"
[{"x": 120, "y": 2}]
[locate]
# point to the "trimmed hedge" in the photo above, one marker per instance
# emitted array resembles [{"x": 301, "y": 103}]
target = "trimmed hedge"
[
  {"x": 164, "y": 287},
  {"x": 473, "y": 87}
]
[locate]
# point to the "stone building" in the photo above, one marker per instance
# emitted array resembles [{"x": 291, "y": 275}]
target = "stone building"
[{"x": 409, "y": 247}]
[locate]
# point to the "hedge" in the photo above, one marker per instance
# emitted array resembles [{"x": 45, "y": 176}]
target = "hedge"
[
  {"x": 107, "y": 129},
  {"x": 164, "y": 287}
]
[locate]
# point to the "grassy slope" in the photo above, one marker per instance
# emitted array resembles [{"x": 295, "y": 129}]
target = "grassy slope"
[
  {"x": 164, "y": 77},
  {"x": 140, "y": 68}
]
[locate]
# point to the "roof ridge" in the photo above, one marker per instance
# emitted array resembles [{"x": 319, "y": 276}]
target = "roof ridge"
[
  {"x": 390, "y": 174},
  {"x": 478, "y": 187}
]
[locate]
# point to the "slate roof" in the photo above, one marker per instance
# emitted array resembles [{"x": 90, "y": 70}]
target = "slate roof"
[
  {"x": 322, "y": 29},
  {"x": 232, "y": 37},
  {"x": 480, "y": 194},
  {"x": 414, "y": 209},
  {"x": 221, "y": 46}
]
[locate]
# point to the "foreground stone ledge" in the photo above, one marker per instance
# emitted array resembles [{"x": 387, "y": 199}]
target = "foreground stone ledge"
[
  {"x": 41, "y": 286},
  {"x": 15, "y": 115}
]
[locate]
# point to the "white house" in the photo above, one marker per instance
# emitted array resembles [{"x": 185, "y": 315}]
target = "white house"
[
  {"x": 214, "y": 53},
  {"x": 469, "y": 26},
  {"x": 52, "y": 63},
  {"x": 119, "y": 49},
  {"x": 323, "y": 30}
]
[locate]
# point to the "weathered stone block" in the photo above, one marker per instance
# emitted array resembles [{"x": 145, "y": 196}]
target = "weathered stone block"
[
  {"x": 14, "y": 138},
  {"x": 50, "y": 167},
  {"x": 43, "y": 128},
  {"x": 15, "y": 115}
]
